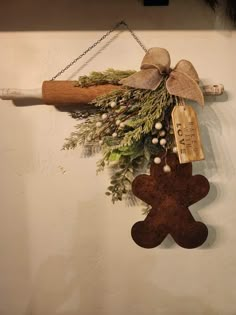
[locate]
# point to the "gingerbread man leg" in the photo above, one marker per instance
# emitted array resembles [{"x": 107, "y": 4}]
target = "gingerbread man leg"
[
  {"x": 144, "y": 233},
  {"x": 187, "y": 232},
  {"x": 148, "y": 236},
  {"x": 191, "y": 235}
]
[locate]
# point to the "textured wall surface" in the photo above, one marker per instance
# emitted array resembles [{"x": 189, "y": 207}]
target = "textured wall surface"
[{"x": 64, "y": 248}]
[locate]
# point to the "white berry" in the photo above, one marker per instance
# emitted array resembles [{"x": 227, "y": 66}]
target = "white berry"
[
  {"x": 118, "y": 122},
  {"x": 98, "y": 124},
  {"x": 122, "y": 124},
  {"x": 104, "y": 116},
  {"x": 166, "y": 169},
  {"x": 162, "y": 133},
  {"x": 114, "y": 135},
  {"x": 175, "y": 150},
  {"x": 155, "y": 141},
  {"x": 163, "y": 142},
  {"x": 158, "y": 126},
  {"x": 113, "y": 104},
  {"x": 157, "y": 160}
]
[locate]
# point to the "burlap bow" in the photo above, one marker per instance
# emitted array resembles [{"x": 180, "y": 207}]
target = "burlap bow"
[{"x": 183, "y": 80}]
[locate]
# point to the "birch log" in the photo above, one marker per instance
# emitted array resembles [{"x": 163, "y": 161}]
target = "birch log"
[{"x": 66, "y": 93}]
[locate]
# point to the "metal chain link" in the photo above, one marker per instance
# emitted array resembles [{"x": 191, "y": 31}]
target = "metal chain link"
[
  {"x": 97, "y": 42},
  {"x": 134, "y": 36}
]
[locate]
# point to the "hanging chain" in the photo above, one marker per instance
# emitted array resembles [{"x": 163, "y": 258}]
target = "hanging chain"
[
  {"x": 134, "y": 36},
  {"x": 99, "y": 41}
]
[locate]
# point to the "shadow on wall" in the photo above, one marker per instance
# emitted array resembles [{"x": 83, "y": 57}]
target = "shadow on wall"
[
  {"x": 16, "y": 157},
  {"x": 75, "y": 284},
  {"x": 55, "y": 288},
  {"x": 102, "y": 15},
  {"x": 57, "y": 291},
  {"x": 210, "y": 166}
]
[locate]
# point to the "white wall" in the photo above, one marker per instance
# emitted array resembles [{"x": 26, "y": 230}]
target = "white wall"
[{"x": 64, "y": 248}]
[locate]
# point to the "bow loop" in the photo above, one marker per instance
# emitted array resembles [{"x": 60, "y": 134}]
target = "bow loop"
[
  {"x": 187, "y": 68},
  {"x": 181, "y": 85},
  {"x": 182, "y": 80},
  {"x": 158, "y": 58}
]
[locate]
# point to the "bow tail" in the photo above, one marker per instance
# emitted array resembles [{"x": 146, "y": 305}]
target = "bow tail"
[{"x": 148, "y": 79}]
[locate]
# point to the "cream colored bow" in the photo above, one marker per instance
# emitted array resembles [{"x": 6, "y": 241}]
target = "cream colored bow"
[{"x": 183, "y": 80}]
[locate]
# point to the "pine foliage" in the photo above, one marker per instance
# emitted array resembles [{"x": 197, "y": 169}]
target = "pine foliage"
[{"x": 124, "y": 134}]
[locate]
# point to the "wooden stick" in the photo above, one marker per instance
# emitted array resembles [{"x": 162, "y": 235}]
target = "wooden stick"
[
  {"x": 66, "y": 93},
  {"x": 15, "y": 94},
  {"x": 216, "y": 89}
]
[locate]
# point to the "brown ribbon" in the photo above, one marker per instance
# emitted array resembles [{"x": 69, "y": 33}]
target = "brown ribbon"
[{"x": 183, "y": 80}]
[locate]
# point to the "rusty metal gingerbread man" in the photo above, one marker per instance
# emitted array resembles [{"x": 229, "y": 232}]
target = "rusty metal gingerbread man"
[{"x": 170, "y": 195}]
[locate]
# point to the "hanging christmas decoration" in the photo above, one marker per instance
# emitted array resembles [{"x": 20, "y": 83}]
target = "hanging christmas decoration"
[
  {"x": 139, "y": 120},
  {"x": 133, "y": 126}
]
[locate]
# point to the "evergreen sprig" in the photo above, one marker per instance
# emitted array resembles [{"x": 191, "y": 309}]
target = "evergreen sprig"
[
  {"x": 110, "y": 76},
  {"x": 124, "y": 135}
]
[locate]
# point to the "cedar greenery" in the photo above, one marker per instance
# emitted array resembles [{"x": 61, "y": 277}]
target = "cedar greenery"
[
  {"x": 125, "y": 136},
  {"x": 109, "y": 76}
]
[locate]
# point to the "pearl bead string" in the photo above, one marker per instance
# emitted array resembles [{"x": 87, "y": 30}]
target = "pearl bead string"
[
  {"x": 163, "y": 142},
  {"x": 155, "y": 140}
]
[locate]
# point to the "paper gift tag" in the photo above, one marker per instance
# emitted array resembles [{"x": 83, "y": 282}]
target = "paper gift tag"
[{"x": 187, "y": 134}]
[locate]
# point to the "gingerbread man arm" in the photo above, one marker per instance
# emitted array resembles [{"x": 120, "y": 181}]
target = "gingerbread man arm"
[
  {"x": 144, "y": 187},
  {"x": 197, "y": 189}
]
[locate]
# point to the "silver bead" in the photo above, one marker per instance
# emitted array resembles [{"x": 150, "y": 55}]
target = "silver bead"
[
  {"x": 113, "y": 104},
  {"x": 162, "y": 133},
  {"x": 158, "y": 126},
  {"x": 167, "y": 169},
  {"x": 175, "y": 150},
  {"x": 98, "y": 124},
  {"x": 157, "y": 160},
  {"x": 104, "y": 116},
  {"x": 163, "y": 142},
  {"x": 155, "y": 141}
]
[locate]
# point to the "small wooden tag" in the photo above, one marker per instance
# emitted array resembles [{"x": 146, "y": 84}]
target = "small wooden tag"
[{"x": 187, "y": 134}]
